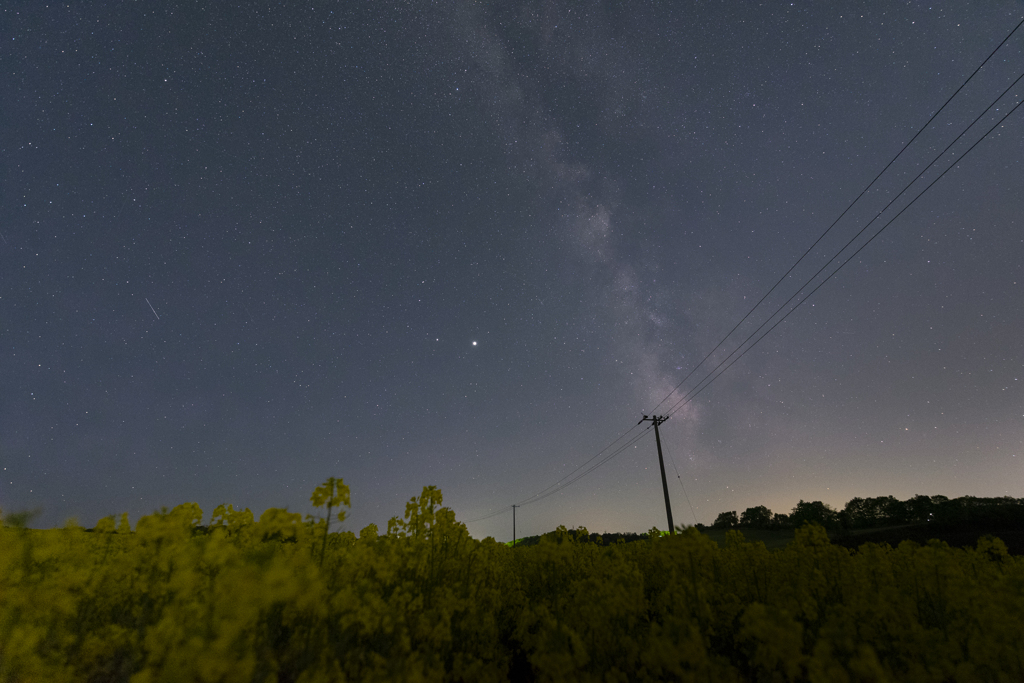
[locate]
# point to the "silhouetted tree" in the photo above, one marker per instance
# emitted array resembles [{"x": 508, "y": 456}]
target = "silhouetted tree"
[
  {"x": 815, "y": 511},
  {"x": 895, "y": 511},
  {"x": 856, "y": 510},
  {"x": 726, "y": 520},
  {"x": 758, "y": 517}
]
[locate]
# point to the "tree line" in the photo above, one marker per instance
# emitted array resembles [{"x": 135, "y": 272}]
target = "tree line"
[{"x": 882, "y": 511}]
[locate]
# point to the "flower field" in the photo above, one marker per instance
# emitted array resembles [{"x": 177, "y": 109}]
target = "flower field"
[{"x": 284, "y": 598}]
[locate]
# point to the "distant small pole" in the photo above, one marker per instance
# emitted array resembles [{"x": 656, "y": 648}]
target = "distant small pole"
[
  {"x": 514, "y": 525},
  {"x": 661, "y": 461}
]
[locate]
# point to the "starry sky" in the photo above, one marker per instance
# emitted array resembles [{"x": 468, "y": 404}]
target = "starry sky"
[{"x": 470, "y": 244}]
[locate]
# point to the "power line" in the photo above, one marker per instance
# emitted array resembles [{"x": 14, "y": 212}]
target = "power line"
[
  {"x": 619, "y": 450},
  {"x": 576, "y": 475},
  {"x": 727, "y": 363},
  {"x": 693, "y": 394},
  {"x": 845, "y": 211},
  {"x": 489, "y": 515},
  {"x": 543, "y": 493},
  {"x": 566, "y": 481},
  {"x": 599, "y": 453},
  {"x": 706, "y": 381}
]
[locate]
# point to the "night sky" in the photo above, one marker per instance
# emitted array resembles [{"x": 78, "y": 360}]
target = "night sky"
[{"x": 470, "y": 244}]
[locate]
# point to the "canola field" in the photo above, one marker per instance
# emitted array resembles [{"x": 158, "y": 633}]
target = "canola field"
[{"x": 288, "y": 599}]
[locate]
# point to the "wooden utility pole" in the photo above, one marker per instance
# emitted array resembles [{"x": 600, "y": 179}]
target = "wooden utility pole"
[
  {"x": 661, "y": 462},
  {"x": 514, "y": 525}
]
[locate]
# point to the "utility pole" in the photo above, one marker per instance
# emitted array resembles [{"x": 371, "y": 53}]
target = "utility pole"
[
  {"x": 661, "y": 461},
  {"x": 514, "y": 525}
]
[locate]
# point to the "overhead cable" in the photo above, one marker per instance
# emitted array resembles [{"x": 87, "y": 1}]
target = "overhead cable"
[
  {"x": 829, "y": 228},
  {"x": 693, "y": 394},
  {"x": 576, "y": 474}
]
